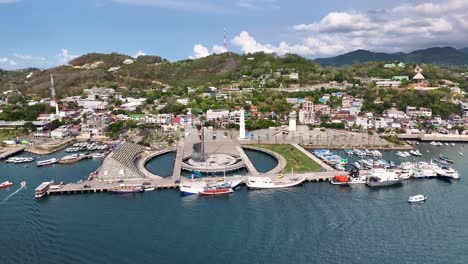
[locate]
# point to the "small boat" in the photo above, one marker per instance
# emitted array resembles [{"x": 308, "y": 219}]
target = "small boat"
[
  {"x": 441, "y": 161},
  {"x": 348, "y": 151},
  {"x": 221, "y": 189},
  {"x": 269, "y": 183},
  {"x": 340, "y": 180},
  {"x": 42, "y": 189},
  {"x": 442, "y": 157},
  {"x": 416, "y": 153},
  {"x": 6, "y": 184},
  {"x": 460, "y": 153},
  {"x": 448, "y": 173},
  {"x": 150, "y": 189},
  {"x": 446, "y": 144},
  {"x": 433, "y": 143},
  {"x": 401, "y": 154},
  {"x": 70, "y": 159},
  {"x": 357, "y": 165},
  {"x": 452, "y": 144},
  {"x": 47, "y": 162},
  {"x": 417, "y": 198},
  {"x": 99, "y": 155},
  {"x": 417, "y": 143},
  {"x": 127, "y": 188}
]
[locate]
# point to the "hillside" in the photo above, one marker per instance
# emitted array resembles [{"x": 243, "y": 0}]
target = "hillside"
[
  {"x": 446, "y": 56},
  {"x": 118, "y": 70}
]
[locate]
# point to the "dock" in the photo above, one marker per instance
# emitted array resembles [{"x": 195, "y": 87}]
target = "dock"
[
  {"x": 11, "y": 151},
  {"x": 248, "y": 163},
  {"x": 312, "y": 157},
  {"x": 179, "y": 159}
]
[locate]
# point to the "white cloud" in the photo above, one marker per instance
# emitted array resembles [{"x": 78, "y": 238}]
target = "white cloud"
[
  {"x": 7, "y": 63},
  {"x": 28, "y": 57},
  {"x": 201, "y": 51},
  {"x": 64, "y": 57},
  {"x": 139, "y": 53}
]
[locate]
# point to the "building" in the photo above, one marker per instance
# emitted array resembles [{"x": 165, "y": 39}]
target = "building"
[
  {"x": 293, "y": 76},
  {"x": 419, "y": 78},
  {"x": 425, "y": 112},
  {"x": 395, "y": 114},
  {"x": 388, "y": 84},
  {"x": 463, "y": 109},
  {"x": 60, "y": 132},
  {"x": 412, "y": 111},
  {"x": 183, "y": 101},
  {"x": 92, "y": 104},
  {"x": 99, "y": 93},
  {"x": 400, "y": 78},
  {"x": 217, "y": 114}
]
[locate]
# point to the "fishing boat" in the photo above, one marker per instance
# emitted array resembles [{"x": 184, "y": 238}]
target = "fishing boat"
[
  {"x": 382, "y": 177},
  {"x": 340, "y": 180},
  {"x": 417, "y": 198},
  {"x": 269, "y": 183},
  {"x": 42, "y": 189},
  {"x": 221, "y": 189},
  {"x": 6, "y": 184},
  {"x": 442, "y": 157},
  {"x": 47, "y": 162},
  {"x": 127, "y": 188}
]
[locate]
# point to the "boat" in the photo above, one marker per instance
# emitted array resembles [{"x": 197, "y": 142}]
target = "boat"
[
  {"x": 407, "y": 154},
  {"x": 460, "y": 153},
  {"x": 416, "y": 153},
  {"x": 447, "y": 172},
  {"x": 99, "y": 155},
  {"x": 6, "y": 184},
  {"x": 357, "y": 165},
  {"x": 340, "y": 180},
  {"x": 382, "y": 177},
  {"x": 150, "y": 189},
  {"x": 192, "y": 187},
  {"x": 442, "y": 157},
  {"x": 348, "y": 151},
  {"x": 339, "y": 167},
  {"x": 433, "y": 143},
  {"x": 127, "y": 188},
  {"x": 221, "y": 189},
  {"x": 19, "y": 160},
  {"x": 446, "y": 144},
  {"x": 269, "y": 183},
  {"x": 441, "y": 161},
  {"x": 424, "y": 170},
  {"x": 42, "y": 189},
  {"x": 452, "y": 144},
  {"x": 417, "y": 198},
  {"x": 70, "y": 159},
  {"x": 47, "y": 162}
]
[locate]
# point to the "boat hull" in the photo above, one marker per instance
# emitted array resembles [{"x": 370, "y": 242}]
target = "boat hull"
[
  {"x": 384, "y": 183},
  {"x": 273, "y": 186}
]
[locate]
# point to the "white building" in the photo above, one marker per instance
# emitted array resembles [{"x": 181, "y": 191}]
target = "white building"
[
  {"x": 216, "y": 114},
  {"x": 92, "y": 104},
  {"x": 60, "y": 132},
  {"x": 463, "y": 109},
  {"x": 294, "y": 76},
  {"x": 183, "y": 101}
]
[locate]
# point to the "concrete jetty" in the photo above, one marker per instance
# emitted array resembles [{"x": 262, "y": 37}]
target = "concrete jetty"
[
  {"x": 11, "y": 151},
  {"x": 179, "y": 159},
  {"x": 248, "y": 163}
]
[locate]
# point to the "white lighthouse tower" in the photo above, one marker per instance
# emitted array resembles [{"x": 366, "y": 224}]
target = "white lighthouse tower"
[
  {"x": 242, "y": 125},
  {"x": 292, "y": 121}
]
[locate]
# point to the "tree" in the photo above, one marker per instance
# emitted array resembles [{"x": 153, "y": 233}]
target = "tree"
[{"x": 30, "y": 126}]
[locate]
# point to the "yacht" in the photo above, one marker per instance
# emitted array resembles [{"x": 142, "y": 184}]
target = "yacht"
[
  {"x": 197, "y": 186},
  {"x": 99, "y": 155},
  {"x": 417, "y": 198},
  {"x": 452, "y": 144},
  {"x": 42, "y": 189},
  {"x": 447, "y": 172},
  {"x": 47, "y": 162},
  {"x": 383, "y": 177},
  {"x": 401, "y": 154},
  {"x": 275, "y": 183},
  {"x": 221, "y": 189},
  {"x": 70, "y": 159},
  {"x": 416, "y": 153}
]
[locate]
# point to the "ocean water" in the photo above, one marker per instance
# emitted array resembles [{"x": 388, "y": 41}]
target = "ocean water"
[{"x": 312, "y": 223}]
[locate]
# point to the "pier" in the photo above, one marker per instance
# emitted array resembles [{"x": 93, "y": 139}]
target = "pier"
[
  {"x": 435, "y": 137},
  {"x": 11, "y": 151},
  {"x": 248, "y": 163},
  {"x": 312, "y": 157}
]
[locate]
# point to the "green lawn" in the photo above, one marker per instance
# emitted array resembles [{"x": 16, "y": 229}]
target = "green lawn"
[{"x": 295, "y": 159}]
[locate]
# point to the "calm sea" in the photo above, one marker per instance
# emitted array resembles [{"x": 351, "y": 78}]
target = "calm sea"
[{"x": 313, "y": 223}]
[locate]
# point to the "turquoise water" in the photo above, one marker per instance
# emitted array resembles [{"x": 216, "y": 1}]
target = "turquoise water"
[
  {"x": 263, "y": 162},
  {"x": 162, "y": 165},
  {"x": 313, "y": 223}
]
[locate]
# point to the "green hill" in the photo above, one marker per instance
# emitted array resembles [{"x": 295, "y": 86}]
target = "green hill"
[{"x": 446, "y": 56}]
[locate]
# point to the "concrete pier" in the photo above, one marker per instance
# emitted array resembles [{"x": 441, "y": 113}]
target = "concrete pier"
[
  {"x": 179, "y": 159},
  {"x": 248, "y": 163},
  {"x": 11, "y": 151}
]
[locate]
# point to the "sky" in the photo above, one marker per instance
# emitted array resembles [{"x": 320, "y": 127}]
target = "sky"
[{"x": 47, "y": 33}]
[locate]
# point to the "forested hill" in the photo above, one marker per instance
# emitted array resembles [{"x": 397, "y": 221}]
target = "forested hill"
[
  {"x": 118, "y": 70},
  {"x": 446, "y": 56}
]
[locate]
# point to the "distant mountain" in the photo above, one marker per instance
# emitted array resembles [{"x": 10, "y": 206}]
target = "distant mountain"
[{"x": 438, "y": 56}]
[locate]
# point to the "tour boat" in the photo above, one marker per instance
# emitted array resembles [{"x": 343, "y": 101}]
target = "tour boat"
[
  {"x": 42, "y": 189},
  {"x": 269, "y": 183},
  {"x": 127, "y": 188},
  {"x": 70, "y": 159},
  {"x": 382, "y": 177},
  {"x": 195, "y": 187},
  {"x": 417, "y": 198},
  {"x": 47, "y": 162},
  {"x": 6, "y": 184},
  {"x": 340, "y": 180},
  {"x": 221, "y": 189}
]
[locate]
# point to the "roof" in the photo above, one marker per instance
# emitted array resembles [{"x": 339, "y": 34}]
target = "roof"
[{"x": 419, "y": 76}]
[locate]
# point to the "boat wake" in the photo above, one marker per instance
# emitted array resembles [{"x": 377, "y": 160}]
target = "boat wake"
[{"x": 23, "y": 185}]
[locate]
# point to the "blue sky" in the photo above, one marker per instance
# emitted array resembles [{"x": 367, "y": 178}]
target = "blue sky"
[{"x": 45, "y": 33}]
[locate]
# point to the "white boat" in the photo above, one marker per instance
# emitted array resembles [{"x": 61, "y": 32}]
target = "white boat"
[
  {"x": 424, "y": 170},
  {"x": 433, "y": 143},
  {"x": 401, "y": 154},
  {"x": 47, "y": 162},
  {"x": 446, "y": 144},
  {"x": 447, "y": 172},
  {"x": 99, "y": 155},
  {"x": 416, "y": 153},
  {"x": 150, "y": 189},
  {"x": 460, "y": 153},
  {"x": 361, "y": 179},
  {"x": 417, "y": 198},
  {"x": 269, "y": 183},
  {"x": 197, "y": 186},
  {"x": 42, "y": 189},
  {"x": 383, "y": 177},
  {"x": 452, "y": 144}
]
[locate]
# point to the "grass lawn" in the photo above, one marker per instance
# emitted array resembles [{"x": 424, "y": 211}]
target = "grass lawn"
[{"x": 295, "y": 159}]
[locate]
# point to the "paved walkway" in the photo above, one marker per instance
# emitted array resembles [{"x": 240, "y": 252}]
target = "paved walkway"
[
  {"x": 311, "y": 156},
  {"x": 248, "y": 163},
  {"x": 179, "y": 159}
]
